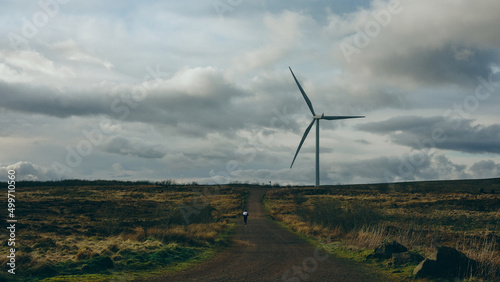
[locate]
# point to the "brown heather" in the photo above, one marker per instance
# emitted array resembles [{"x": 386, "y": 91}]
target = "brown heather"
[
  {"x": 70, "y": 227},
  {"x": 357, "y": 218}
]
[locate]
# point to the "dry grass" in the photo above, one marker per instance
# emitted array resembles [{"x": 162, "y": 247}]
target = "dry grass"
[
  {"x": 66, "y": 228},
  {"x": 416, "y": 215}
]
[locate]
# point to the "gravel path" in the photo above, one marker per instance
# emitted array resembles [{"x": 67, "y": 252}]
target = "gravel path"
[{"x": 263, "y": 251}]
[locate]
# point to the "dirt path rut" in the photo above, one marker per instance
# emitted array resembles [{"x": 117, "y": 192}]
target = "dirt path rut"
[{"x": 263, "y": 251}]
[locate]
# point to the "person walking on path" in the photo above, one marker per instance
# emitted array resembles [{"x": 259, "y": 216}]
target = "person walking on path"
[{"x": 245, "y": 217}]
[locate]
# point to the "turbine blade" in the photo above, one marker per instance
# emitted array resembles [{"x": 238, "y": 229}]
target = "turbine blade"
[
  {"x": 309, "y": 104},
  {"x": 302, "y": 141},
  {"x": 340, "y": 117}
]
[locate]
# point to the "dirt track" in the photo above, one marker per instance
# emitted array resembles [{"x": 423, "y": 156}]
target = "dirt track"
[{"x": 263, "y": 251}]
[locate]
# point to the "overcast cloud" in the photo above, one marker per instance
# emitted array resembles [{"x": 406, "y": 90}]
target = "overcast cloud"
[{"x": 202, "y": 92}]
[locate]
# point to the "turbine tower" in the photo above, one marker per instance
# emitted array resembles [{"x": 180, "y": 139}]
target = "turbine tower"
[{"x": 316, "y": 119}]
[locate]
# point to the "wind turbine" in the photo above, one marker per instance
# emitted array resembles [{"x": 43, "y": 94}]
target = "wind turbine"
[{"x": 316, "y": 119}]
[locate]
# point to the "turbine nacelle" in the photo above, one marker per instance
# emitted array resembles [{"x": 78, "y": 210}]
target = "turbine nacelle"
[{"x": 319, "y": 117}]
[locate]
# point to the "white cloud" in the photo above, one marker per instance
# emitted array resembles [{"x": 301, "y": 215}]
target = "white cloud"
[
  {"x": 27, "y": 171},
  {"x": 281, "y": 33},
  {"x": 414, "y": 46},
  {"x": 31, "y": 66},
  {"x": 73, "y": 52}
]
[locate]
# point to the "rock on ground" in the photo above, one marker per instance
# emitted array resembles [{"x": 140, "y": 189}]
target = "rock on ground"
[
  {"x": 386, "y": 250},
  {"x": 449, "y": 263}
]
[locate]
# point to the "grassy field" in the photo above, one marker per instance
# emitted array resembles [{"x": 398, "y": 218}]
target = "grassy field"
[
  {"x": 110, "y": 230},
  {"x": 351, "y": 220},
  {"x": 116, "y": 230}
]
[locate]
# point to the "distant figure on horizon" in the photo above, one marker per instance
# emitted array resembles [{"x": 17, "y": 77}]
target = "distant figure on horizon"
[{"x": 245, "y": 217}]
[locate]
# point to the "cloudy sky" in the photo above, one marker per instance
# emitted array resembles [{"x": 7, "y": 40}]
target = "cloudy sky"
[{"x": 200, "y": 90}]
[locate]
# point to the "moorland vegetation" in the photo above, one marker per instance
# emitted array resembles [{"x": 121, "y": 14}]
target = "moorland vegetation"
[
  {"x": 352, "y": 220},
  {"x": 97, "y": 230}
]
